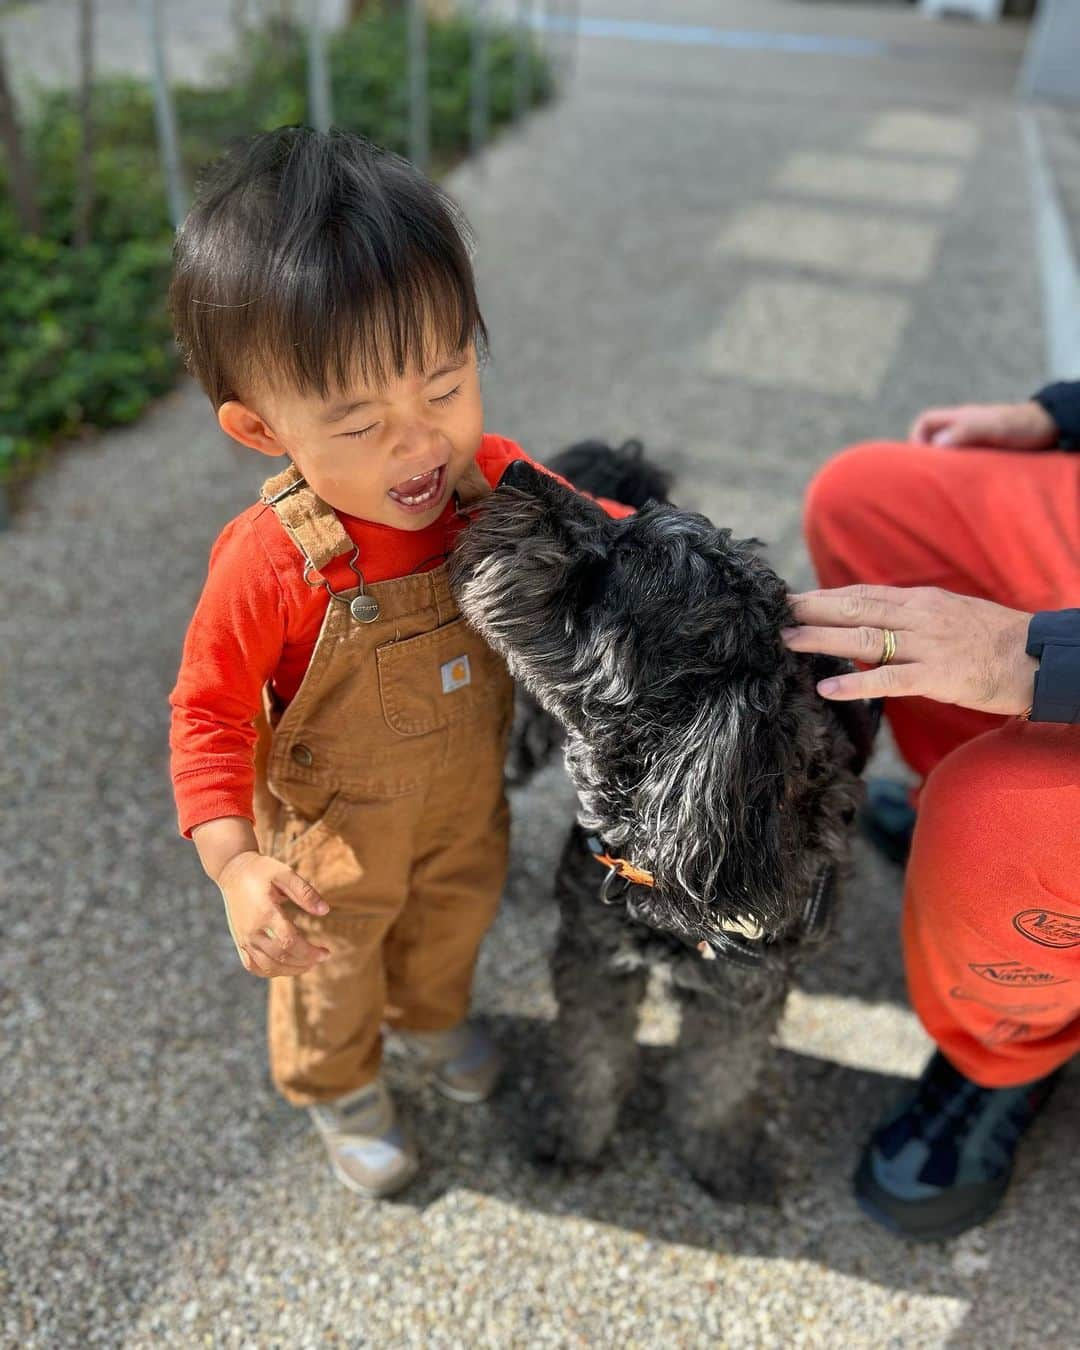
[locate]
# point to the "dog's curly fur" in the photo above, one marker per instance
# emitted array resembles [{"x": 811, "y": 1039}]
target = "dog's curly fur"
[{"x": 700, "y": 751}]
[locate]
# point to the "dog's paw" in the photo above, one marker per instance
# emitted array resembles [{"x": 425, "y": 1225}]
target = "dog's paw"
[
  {"x": 552, "y": 1146},
  {"x": 547, "y": 1142},
  {"x": 736, "y": 1177}
]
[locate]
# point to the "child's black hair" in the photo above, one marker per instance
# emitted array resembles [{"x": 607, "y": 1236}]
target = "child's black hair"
[{"x": 316, "y": 258}]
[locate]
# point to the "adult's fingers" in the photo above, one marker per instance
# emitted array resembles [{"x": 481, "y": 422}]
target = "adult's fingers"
[
  {"x": 929, "y": 424},
  {"x": 865, "y": 643},
  {"x": 880, "y": 682},
  {"x": 300, "y": 892},
  {"x": 863, "y": 590},
  {"x": 852, "y": 607}
]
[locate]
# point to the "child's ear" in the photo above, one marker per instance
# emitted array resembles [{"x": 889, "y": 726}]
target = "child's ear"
[{"x": 245, "y": 425}]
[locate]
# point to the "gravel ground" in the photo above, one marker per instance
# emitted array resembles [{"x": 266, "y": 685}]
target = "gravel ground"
[{"x": 153, "y": 1189}]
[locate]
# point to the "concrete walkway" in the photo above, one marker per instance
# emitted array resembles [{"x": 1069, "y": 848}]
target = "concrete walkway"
[
  {"x": 42, "y": 43},
  {"x": 749, "y": 256}
]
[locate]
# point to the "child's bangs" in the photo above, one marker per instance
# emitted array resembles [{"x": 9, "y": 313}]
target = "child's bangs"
[
  {"x": 320, "y": 261},
  {"x": 339, "y": 327}
]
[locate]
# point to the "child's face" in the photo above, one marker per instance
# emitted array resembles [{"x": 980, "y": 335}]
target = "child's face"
[{"x": 391, "y": 454}]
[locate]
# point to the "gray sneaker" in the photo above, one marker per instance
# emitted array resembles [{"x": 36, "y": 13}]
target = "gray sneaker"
[
  {"x": 368, "y": 1150},
  {"x": 465, "y": 1061}
]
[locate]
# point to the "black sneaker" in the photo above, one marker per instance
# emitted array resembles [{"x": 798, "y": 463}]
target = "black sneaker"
[
  {"x": 887, "y": 818},
  {"x": 941, "y": 1163}
]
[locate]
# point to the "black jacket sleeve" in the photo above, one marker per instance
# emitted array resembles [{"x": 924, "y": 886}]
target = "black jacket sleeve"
[
  {"x": 1054, "y": 638},
  {"x": 1062, "y": 402}
]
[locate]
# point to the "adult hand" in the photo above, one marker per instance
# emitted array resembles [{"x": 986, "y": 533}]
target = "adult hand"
[
  {"x": 993, "y": 426},
  {"x": 952, "y": 648}
]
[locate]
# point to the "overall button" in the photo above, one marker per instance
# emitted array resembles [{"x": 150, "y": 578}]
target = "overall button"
[{"x": 302, "y": 755}]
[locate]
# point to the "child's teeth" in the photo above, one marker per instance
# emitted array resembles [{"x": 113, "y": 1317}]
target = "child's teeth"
[{"x": 415, "y": 499}]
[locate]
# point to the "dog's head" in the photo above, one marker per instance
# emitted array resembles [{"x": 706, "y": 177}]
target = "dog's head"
[{"x": 654, "y": 640}]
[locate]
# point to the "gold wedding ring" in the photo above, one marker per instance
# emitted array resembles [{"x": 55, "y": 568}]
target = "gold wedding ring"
[{"x": 888, "y": 646}]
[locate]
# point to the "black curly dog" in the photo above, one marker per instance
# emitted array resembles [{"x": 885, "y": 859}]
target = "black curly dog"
[{"x": 702, "y": 757}]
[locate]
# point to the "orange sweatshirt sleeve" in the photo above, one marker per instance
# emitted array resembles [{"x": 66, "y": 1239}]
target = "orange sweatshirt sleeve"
[
  {"x": 233, "y": 646},
  {"x": 498, "y": 452}
]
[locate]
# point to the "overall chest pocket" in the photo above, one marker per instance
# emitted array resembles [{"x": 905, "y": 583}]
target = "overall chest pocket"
[{"x": 437, "y": 679}]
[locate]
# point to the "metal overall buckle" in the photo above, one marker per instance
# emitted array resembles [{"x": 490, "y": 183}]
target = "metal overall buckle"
[{"x": 363, "y": 607}]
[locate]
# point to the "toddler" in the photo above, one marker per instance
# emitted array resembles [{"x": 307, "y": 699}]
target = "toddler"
[{"x": 338, "y": 733}]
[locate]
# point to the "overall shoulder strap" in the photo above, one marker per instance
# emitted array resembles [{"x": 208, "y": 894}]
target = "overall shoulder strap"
[{"x": 308, "y": 521}]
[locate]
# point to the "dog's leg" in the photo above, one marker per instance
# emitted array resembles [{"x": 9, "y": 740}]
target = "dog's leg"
[
  {"x": 713, "y": 1102},
  {"x": 594, "y": 1051},
  {"x": 534, "y": 738}
]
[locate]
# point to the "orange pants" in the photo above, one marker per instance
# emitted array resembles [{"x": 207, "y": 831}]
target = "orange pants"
[{"x": 991, "y": 923}]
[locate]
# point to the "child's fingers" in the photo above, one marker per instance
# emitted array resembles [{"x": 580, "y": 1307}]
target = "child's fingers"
[
  {"x": 299, "y": 891},
  {"x": 265, "y": 960},
  {"x": 254, "y": 962},
  {"x": 283, "y": 944},
  {"x": 257, "y": 962},
  {"x": 289, "y": 947}
]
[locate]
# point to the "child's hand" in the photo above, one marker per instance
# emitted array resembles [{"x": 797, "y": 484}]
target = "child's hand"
[{"x": 254, "y": 888}]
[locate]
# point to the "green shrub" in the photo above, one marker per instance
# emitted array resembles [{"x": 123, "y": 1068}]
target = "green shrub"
[
  {"x": 84, "y": 333},
  {"x": 85, "y": 337}
]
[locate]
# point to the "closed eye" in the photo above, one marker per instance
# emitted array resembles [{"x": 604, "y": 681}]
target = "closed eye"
[{"x": 442, "y": 400}]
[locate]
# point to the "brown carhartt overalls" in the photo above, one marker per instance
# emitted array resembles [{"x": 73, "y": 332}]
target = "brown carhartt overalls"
[{"x": 381, "y": 784}]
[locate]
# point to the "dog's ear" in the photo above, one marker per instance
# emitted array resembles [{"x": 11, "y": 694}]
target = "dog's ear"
[
  {"x": 556, "y": 508},
  {"x": 624, "y": 475},
  {"x": 520, "y": 474}
]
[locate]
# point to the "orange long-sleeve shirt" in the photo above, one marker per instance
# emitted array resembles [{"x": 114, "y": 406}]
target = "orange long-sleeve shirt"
[{"x": 257, "y": 620}]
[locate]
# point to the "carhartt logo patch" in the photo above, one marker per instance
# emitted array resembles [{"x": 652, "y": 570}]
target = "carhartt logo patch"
[
  {"x": 1048, "y": 927},
  {"x": 456, "y": 674}
]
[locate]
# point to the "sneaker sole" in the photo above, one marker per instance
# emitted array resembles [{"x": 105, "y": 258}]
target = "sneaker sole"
[
  {"x": 374, "y": 1192},
  {"x": 461, "y": 1095},
  {"x": 879, "y": 1205}
]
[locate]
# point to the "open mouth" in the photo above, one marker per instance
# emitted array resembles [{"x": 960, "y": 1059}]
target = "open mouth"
[{"x": 421, "y": 492}]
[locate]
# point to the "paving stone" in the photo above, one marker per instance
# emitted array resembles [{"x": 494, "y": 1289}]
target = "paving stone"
[
  {"x": 921, "y": 133},
  {"x": 815, "y": 337},
  {"x": 843, "y": 242},
  {"x": 867, "y": 178}
]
